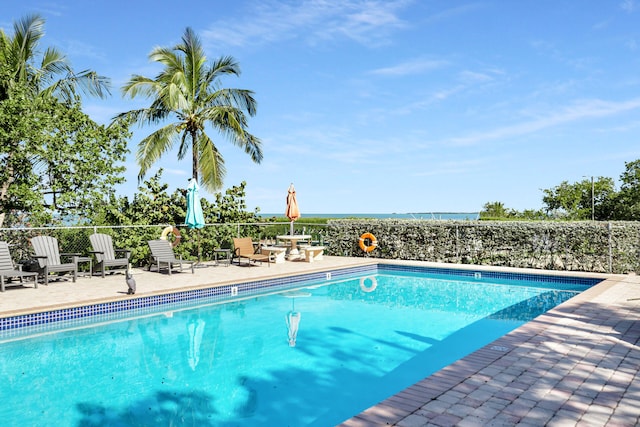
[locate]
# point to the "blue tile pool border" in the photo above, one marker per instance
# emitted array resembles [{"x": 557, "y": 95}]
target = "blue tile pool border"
[
  {"x": 76, "y": 316},
  {"x": 474, "y": 274}
]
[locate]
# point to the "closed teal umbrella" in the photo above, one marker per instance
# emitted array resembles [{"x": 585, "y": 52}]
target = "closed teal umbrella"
[{"x": 195, "y": 218}]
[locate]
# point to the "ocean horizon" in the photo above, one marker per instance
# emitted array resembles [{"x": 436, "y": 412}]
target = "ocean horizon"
[{"x": 416, "y": 215}]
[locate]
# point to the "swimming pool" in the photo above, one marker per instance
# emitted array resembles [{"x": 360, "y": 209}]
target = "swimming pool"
[{"x": 199, "y": 362}]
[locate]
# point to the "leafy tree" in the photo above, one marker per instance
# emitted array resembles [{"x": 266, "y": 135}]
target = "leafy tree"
[
  {"x": 189, "y": 89},
  {"x": 626, "y": 205},
  {"x": 54, "y": 160},
  {"x": 493, "y": 210},
  {"x": 497, "y": 211},
  {"x": 578, "y": 201},
  {"x": 231, "y": 207},
  {"x": 153, "y": 205},
  {"x": 532, "y": 215}
]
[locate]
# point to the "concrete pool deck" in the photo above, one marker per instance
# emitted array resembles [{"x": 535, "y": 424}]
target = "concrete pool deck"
[{"x": 574, "y": 365}]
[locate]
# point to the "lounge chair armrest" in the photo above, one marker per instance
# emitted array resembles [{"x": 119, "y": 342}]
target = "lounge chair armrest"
[
  {"x": 125, "y": 252},
  {"x": 43, "y": 257},
  {"x": 71, "y": 255},
  {"x": 96, "y": 252}
]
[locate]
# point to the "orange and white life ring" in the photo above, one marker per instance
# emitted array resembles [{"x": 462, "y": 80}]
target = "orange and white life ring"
[
  {"x": 372, "y": 242},
  {"x": 370, "y": 288},
  {"x": 175, "y": 232}
]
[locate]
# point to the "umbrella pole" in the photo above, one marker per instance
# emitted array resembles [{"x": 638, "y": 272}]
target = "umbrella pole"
[
  {"x": 291, "y": 228},
  {"x": 198, "y": 238}
]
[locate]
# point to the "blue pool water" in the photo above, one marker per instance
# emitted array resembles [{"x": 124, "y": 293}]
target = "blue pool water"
[{"x": 359, "y": 340}]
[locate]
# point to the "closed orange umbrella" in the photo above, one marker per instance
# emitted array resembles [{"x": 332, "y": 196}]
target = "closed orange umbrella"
[{"x": 293, "y": 212}]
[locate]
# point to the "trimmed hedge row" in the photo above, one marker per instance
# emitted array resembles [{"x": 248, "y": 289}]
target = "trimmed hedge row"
[{"x": 607, "y": 247}]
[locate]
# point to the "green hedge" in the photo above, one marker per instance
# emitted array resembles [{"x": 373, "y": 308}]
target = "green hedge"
[{"x": 572, "y": 246}]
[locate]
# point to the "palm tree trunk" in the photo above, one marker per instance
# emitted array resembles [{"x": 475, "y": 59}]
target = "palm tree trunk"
[{"x": 194, "y": 149}]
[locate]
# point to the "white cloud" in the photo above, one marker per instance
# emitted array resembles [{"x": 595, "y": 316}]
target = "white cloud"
[
  {"x": 628, "y": 5},
  {"x": 364, "y": 21},
  {"x": 580, "y": 110},
  {"x": 77, "y": 48},
  {"x": 415, "y": 66},
  {"x": 474, "y": 77},
  {"x": 455, "y": 11},
  {"x": 466, "y": 80}
]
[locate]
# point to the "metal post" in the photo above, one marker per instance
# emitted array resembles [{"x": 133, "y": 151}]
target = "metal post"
[
  {"x": 593, "y": 204},
  {"x": 609, "y": 229}
]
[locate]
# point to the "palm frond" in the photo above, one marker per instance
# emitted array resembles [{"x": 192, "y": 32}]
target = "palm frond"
[
  {"x": 225, "y": 65},
  {"x": 54, "y": 62},
  {"x": 140, "y": 85},
  {"x": 27, "y": 33},
  {"x": 167, "y": 57},
  {"x": 151, "y": 148},
  {"x": 143, "y": 116},
  {"x": 232, "y": 123},
  {"x": 212, "y": 168},
  {"x": 240, "y": 98},
  {"x": 185, "y": 143},
  {"x": 194, "y": 61}
]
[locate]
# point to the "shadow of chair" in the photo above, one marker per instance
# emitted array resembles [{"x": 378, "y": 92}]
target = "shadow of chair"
[
  {"x": 106, "y": 255},
  {"x": 8, "y": 269},
  {"x": 162, "y": 253},
  {"x": 50, "y": 259}
]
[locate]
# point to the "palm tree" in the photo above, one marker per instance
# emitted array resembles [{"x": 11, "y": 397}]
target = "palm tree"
[
  {"x": 52, "y": 76},
  {"x": 189, "y": 89}
]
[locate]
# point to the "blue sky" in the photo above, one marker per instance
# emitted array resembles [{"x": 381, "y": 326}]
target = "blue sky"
[{"x": 383, "y": 106}]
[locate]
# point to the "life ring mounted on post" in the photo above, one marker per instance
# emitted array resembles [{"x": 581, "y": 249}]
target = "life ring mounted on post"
[
  {"x": 176, "y": 233},
  {"x": 368, "y": 242}
]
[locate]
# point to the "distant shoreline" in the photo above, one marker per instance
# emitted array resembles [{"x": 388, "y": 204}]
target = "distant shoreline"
[{"x": 410, "y": 215}]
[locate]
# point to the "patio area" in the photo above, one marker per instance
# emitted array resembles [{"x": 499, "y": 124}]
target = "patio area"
[{"x": 575, "y": 365}]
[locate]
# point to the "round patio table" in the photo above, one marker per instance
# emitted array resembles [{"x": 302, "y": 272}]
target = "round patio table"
[{"x": 293, "y": 252}]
